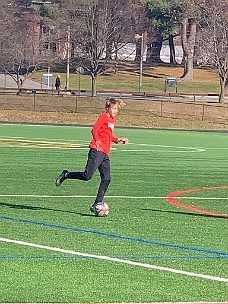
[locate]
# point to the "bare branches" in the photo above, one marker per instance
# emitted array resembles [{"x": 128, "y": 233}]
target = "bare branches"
[{"x": 215, "y": 39}]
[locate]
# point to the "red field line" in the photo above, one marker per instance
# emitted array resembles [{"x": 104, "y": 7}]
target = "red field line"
[{"x": 171, "y": 198}]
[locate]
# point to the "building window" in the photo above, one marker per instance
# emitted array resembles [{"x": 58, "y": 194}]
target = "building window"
[
  {"x": 45, "y": 45},
  {"x": 53, "y": 47}
]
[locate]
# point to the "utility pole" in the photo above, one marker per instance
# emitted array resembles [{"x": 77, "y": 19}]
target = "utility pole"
[
  {"x": 68, "y": 59},
  {"x": 137, "y": 36}
]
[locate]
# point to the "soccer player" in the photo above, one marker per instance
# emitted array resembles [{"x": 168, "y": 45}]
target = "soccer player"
[{"x": 100, "y": 145}]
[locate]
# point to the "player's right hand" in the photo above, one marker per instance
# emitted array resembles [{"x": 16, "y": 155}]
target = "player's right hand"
[
  {"x": 124, "y": 141},
  {"x": 98, "y": 145}
]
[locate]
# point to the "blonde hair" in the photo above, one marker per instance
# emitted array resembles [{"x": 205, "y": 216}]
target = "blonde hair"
[{"x": 114, "y": 101}]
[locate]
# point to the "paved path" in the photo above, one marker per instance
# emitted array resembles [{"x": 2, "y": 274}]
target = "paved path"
[{"x": 8, "y": 82}]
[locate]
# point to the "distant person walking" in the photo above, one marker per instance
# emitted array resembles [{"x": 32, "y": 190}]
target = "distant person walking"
[{"x": 58, "y": 83}]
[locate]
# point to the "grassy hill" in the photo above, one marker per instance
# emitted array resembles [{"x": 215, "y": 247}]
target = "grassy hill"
[{"x": 125, "y": 77}]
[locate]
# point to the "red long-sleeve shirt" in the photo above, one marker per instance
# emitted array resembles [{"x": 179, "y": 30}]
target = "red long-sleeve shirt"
[{"x": 102, "y": 131}]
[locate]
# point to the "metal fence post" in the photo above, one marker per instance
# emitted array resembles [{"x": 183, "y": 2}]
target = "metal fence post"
[
  {"x": 76, "y": 104},
  {"x": 203, "y": 112},
  {"x": 34, "y": 100}
]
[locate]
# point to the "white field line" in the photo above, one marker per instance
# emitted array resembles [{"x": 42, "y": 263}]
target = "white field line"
[
  {"x": 111, "y": 196},
  {"x": 56, "y": 144},
  {"x": 117, "y": 260}
]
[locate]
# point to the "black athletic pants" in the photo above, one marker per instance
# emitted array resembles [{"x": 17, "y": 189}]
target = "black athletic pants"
[{"x": 96, "y": 160}]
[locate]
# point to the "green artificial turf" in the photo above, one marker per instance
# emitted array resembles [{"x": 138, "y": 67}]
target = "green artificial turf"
[{"x": 142, "y": 227}]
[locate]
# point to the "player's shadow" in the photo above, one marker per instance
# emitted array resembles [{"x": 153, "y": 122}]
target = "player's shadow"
[
  {"x": 34, "y": 208},
  {"x": 27, "y": 207},
  {"x": 186, "y": 213}
]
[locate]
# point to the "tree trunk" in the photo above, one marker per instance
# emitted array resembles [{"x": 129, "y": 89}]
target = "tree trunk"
[
  {"x": 156, "y": 49},
  {"x": 138, "y": 50},
  {"x": 223, "y": 75},
  {"x": 94, "y": 86},
  {"x": 188, "y": 45},
  {"x": 223, "y": 86},
  {"x": 172, "y": 49},
  {"x": 149, "y": 51},
  {"x": 108, "y": 55}
]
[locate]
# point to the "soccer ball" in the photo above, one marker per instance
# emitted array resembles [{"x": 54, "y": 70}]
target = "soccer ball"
[{"x": 101, "y": 209}]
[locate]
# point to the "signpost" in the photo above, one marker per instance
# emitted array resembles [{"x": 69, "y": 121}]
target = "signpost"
[
  {"x": 171, "y": 82},
  {"x": 47, "y": 79},
  {"x": 137, "y": 36},
  {"x": 80, "y": 71}
]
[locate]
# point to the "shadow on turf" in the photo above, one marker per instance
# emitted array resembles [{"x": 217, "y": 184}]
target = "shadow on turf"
[
  {"x": 85, "y": 214},
  {"x": 185, "y": 213},
  {"x": 34, "y": 208}
]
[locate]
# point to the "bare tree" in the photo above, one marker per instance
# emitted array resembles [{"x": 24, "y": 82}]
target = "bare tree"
[
  {"x": 214, "y": 40},
  {"x": 21, "y": 46},
  {"x": 189, "y": 26},
  {"x": 98, "y": 28},
  {"x": 8, "y": 39},
  {"x": 14, "y": 52},
  {"x": 191, "y": 18}
]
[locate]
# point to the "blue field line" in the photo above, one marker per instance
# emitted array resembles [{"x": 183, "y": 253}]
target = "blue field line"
[
  {"x": 116, "y": 236},
  {"x": 59, "y": 257}
]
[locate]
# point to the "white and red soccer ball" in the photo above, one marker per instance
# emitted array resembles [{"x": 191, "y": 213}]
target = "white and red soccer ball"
[{"x": 101, "y": 209}]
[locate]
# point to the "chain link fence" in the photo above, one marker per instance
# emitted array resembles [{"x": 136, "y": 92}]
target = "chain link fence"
[{"x": 69, "y": 102}]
